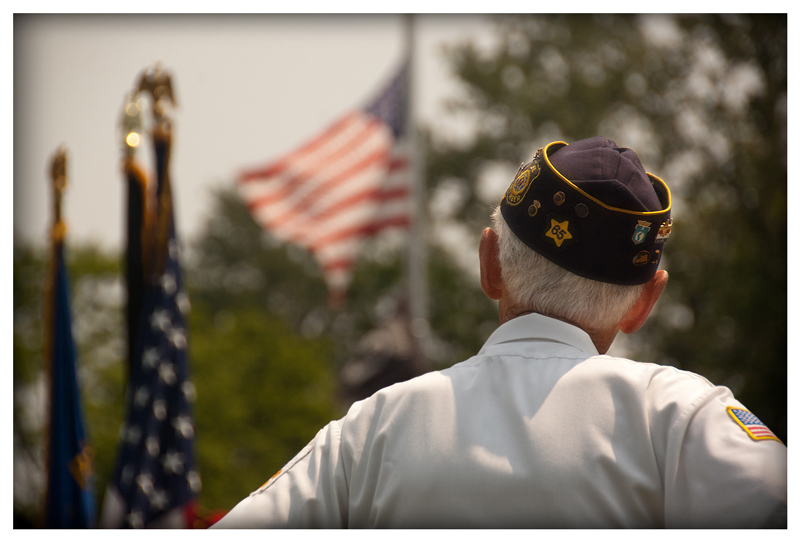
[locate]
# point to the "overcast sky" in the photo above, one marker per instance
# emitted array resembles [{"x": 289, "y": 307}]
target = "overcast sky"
[{"x": 248, "y": 88}]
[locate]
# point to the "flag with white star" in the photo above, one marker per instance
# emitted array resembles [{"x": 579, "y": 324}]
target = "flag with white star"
[{"x": 155, "y": 475}]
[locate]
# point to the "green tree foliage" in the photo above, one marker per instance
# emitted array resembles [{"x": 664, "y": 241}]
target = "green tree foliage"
[
  {"x": 702, "y": 99},
  {"x": 29, "y": 385},
  {"x": 262, "y": 394}
]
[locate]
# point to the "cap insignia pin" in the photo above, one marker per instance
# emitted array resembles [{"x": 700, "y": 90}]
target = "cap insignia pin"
[
  {"x": 640, "y": 233},
  {"x": 664, "y": 230},
  {"x": 641, "y": 258},
  {"x": 559, "y": 231},
  {"x": 519, "y": 187}
]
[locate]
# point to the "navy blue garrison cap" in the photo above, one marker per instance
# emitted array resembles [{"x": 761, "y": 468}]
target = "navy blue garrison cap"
[{"x": 591, "y": 208}]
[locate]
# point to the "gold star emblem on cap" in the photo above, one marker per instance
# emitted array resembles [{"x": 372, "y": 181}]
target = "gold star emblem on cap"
[{"x": 559, "y": 231}]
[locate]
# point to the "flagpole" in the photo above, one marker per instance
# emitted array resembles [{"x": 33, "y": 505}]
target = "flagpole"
[
  {"x": 57, "y": 230},
  {"x": 417, "y": 247},
  {"x": 69, "y": 497},
  {"x": 136, "y": 255}
]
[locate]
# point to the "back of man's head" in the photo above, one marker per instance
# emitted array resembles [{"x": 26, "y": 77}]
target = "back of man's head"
[{"x": 582, "y": 227}]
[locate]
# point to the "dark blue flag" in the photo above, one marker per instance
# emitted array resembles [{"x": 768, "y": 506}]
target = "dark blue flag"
[
  {"x": 155, "y": 476},
  {"x": 70, "y": 500}
]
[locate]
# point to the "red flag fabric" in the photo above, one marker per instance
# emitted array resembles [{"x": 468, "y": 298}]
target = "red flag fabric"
[{"x": 340, "y": 188}]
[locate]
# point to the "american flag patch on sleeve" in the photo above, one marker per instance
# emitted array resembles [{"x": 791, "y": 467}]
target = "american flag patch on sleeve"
[{"x": 751, "y": 424}]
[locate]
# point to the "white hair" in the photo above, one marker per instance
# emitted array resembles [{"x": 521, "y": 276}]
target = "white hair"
[{"x": 537, "y": 284}]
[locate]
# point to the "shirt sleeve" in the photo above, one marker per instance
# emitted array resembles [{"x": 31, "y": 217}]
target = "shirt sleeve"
[
  {"x": 724, "y": 470},
  {"x": 309, "y": 492}
]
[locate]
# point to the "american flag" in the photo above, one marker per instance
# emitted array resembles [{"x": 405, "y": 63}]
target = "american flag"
[
  {"x": 751, "y": 424},
  {"x": 345, "y": 185},
  {"x": 155, "y": 475}
]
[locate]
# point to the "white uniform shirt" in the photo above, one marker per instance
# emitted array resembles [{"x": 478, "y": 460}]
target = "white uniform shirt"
[{"x": 537, "y": 430}]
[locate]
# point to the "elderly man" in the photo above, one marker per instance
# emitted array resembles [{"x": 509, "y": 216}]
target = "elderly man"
[{"x": 540, "y": 428}]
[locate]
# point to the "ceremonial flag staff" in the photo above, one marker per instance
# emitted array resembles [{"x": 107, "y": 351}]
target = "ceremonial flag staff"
[
  {"x": 155, "y": 481},
  {"x": 70, "y": 491},
  {"x": 137, "y": 254}
]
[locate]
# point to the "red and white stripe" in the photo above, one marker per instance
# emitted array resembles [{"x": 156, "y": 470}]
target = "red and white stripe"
[
  {"x": 760, "y": 431},
  {"x": 334, "y": 192}
]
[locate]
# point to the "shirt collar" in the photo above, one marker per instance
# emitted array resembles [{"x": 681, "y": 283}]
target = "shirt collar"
[{"x": 536, "y": 327}]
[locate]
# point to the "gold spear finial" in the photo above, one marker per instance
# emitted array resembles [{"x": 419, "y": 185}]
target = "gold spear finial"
[{"x": 58, "y": 173}]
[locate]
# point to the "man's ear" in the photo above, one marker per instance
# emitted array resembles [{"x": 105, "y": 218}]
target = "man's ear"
[
  {"x": 636, "y": 316},
  {"x": 489, "y": 254}
]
